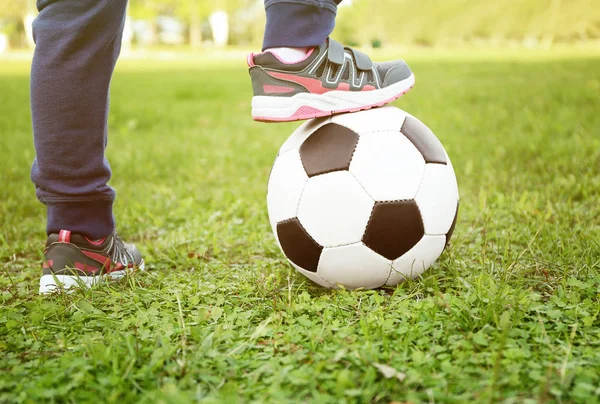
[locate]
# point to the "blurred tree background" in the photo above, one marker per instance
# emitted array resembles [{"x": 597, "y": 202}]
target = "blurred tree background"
[{"x": 361, "y": 22}]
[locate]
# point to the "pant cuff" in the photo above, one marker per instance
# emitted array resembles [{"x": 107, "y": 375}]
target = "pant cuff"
[
  {"x": 92, "y": 219},
  {"x": 297, "y": 25}
]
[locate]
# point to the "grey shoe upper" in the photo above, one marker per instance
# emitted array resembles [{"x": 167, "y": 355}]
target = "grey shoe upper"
[
  {"x": 330, "y": 66},
  {"x": 393, "y": 72}
]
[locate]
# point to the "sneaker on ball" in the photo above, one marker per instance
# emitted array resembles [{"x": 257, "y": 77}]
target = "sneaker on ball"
[
  {"x": 332, "y": 79},
  {"x": 73, "y": 260}
]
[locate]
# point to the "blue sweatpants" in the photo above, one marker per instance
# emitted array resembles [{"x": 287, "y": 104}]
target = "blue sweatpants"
[{"x": 77, "y": 46}]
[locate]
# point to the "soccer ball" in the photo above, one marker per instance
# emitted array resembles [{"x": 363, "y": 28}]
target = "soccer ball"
[{"x": 362, "y": 200}]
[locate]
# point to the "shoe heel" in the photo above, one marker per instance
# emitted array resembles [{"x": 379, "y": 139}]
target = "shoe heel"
[{"x": 66, "y": 268}]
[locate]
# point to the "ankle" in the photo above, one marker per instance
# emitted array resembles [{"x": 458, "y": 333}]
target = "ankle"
[
  {"x": 93, "y": 219},
  {"x": 290, "y": 55}
]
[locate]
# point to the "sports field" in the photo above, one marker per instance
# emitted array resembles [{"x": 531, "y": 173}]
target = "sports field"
[{"x": 510, "y": 313}]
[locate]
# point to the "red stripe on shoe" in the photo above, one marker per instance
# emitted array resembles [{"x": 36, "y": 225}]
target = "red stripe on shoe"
[
  {"x": 271, "y": 89},
  {"x": 117, "y": 267},
  {"x": 313, "y": 85},
  {"x": 86, "y": 268},
  {"x": 48, "y": 264},
  {"x": 96, "y": 242},
  {"x": 105, "y": 261},
  {"x": 64, "y": 236}
]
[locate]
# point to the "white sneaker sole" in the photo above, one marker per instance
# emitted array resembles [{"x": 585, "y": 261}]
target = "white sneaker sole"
[
  {"x": 68, "y": 283},
  {"x": 307, "y": 106}
]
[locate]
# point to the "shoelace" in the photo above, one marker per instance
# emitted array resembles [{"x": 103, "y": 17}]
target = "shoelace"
[{"x": 120, "y": 253}]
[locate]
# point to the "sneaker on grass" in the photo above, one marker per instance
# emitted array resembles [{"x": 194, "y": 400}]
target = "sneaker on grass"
[
  {"x": 332, "y": 79},
  {"x": 73, "y": 260}
]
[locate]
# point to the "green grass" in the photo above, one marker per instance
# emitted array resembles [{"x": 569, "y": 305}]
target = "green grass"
[
  {"x": 510, "y": 313},
  {"x": 435, "y": 23}
]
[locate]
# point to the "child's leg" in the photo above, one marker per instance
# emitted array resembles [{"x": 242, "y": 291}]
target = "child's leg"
[
  {"x": 298, "y": 23},
  {"x": 77, "y": 45}
]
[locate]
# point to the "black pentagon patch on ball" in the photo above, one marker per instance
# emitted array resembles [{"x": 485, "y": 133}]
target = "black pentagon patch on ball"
[
  {"x": 449, "y": 234},
  {"x": 424, "y": 140},
  {"x": 394, "y": 228},
  {"x": 328, "y": 149},
  {"x": 298, "y": 245}
]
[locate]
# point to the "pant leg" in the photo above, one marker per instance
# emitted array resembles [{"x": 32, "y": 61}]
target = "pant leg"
[
  {"x": 298, "y": 23},
  {"x": 77, "y": 46}
]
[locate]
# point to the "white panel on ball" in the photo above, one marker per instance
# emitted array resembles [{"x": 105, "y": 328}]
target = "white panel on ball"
[
  {"x": 334, "y": 209},
  {"x": 376, "y": 119},
  {"x": 302, "y": 133},
  {"x": 388, "y": 165},
  {"x": 354, "y": 266},
  {"x": 417, "y": 259},
  {"x": 314, "y": 277},
  {"x": 438, "y": 198},
  {"x": 286, "y": 183}
]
